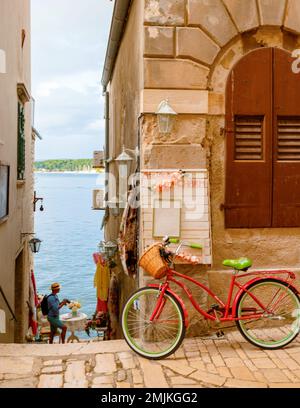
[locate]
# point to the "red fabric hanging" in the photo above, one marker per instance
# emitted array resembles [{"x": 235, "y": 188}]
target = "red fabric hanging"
[
  {"x": 36, "y": 299},
  {"x": 102, "y": 306},
  {"x": 33, "y": 302},
  {"x": 96, "y": 257},
  {"x": 33, "y": 323}
]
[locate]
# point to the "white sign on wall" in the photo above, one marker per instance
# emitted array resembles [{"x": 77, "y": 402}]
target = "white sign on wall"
[
  {"x": 166, "y": 220},
  {"x": 2, "y": 322},
  {"x": 176, "y": 203}
]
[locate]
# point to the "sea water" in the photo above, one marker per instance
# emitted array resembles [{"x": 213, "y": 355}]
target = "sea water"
[{"x": 70, "y": 232}]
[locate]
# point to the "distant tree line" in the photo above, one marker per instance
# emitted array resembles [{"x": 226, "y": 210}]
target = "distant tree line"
[{"x": 64, "y": 165}]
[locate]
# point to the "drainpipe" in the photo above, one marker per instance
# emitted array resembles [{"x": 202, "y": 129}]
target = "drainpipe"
[
  {"x": 115, "y": 37},
  {"x": 106, "y": 141},
  {"x": 106, "y": 156}
]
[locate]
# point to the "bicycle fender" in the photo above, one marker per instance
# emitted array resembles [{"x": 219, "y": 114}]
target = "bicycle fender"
[
  {"x": 246, "y": 286},
  {"x": 178, "y": 298}
]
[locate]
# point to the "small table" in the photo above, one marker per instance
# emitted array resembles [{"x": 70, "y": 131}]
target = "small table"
[{"x": 74, "y": 324}]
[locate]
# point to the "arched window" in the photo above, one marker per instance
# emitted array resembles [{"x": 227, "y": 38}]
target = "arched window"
[{"x": 263, "y": 142}]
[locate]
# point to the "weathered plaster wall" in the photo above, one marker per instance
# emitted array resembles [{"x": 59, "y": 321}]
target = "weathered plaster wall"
[
  {"x": 189, "y": 48},
  {"x": 14, "y": 17},
  {"x": 125, "y": 90}
]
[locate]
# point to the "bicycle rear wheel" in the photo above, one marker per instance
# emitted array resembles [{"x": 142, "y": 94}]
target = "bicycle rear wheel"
[
  {"x": 280, "y": 320},
  {"x": 157, "y": 339}
]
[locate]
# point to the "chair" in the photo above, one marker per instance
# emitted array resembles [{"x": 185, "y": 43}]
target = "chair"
[
  {"x": 45, "y": 334},
  {"x": 101, "y": 333},
  {"x": 45, "y": 329}
]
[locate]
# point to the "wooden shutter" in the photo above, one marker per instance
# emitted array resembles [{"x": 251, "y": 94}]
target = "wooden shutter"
[
  {"x": 288, "y": 139},
  {"x": 286, "y": 181},
  {"x": 248, "y": 199},
  {"x": 248, "y": 143}
]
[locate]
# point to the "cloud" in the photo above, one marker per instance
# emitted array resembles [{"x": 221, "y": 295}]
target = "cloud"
[
  {"x": 96, "y": 125},
  {"x": 68, "y": 51},
  {"x": 75, "y": 146},
  {"x": 80, "y": 82}
]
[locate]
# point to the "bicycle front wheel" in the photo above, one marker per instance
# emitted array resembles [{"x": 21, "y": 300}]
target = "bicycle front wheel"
[
  {"x": 159, "y": 338},
  {"x": 277, "y": 323}
]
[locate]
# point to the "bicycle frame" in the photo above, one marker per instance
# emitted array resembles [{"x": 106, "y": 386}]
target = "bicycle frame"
[{"x": 229, "y": 309}]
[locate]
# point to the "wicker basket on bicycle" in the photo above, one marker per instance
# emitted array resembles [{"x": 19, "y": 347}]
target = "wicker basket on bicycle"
[{"x": 152, "y": 262}]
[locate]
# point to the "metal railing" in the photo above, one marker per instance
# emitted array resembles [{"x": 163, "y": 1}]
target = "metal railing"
[{"x": 7, "y": 304}]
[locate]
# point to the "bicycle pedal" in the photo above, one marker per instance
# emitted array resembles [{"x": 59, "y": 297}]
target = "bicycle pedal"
[{"x": 215, "y": 307}]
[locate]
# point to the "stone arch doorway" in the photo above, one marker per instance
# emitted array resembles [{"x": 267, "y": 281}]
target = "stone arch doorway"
[{"x": 279, "y": 226}]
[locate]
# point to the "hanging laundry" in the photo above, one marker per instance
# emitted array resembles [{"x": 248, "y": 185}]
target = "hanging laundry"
[
  {"x": 101, "y": 280},
  {"x": 101, "y": 304},
  {"x": 128, "y": 235}
]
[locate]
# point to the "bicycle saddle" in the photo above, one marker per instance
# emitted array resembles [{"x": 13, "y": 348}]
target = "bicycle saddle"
[{"x": 241, "y": 264}]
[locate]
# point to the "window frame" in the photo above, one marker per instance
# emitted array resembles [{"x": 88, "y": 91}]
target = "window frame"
[{"x": 5, "y": 216}]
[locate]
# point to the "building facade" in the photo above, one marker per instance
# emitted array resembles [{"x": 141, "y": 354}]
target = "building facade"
[
  {"x": 16, "y": 169},
  {"x": 229, "y": 69}
]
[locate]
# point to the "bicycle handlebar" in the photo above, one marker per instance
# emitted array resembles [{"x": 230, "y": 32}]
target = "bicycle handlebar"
[{"x": 167, "y": 241}]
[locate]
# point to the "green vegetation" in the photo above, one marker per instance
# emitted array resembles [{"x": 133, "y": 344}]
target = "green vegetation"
[{"x": 64, "y": 165}]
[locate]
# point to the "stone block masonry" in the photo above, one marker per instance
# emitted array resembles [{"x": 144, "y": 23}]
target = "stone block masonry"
[
  {"x": 200, "y": 362},
  {"x": 165, "y": 12}
]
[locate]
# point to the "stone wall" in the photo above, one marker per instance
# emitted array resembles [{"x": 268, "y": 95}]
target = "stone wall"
[
  {"x": 190, "y": 47},
  {"x": 15, "y": 17},
  {"x": 194, "y": 48},
  {"x": 125, "y": 90}
]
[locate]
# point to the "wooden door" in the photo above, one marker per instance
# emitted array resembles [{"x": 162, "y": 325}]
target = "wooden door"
[
  {"x": 286, "y": 150},
  {"x": 248, "y": 201}
]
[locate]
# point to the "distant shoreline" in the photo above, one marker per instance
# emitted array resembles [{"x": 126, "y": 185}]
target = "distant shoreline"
[
  {"x": 66, "y": 172},
  {"x": 66, "y": 166}
]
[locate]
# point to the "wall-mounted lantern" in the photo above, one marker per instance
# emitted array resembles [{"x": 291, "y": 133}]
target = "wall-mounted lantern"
[
  {"x": 165, "y": 117},
  {"x": 35, "y": 245},
  {"x": 123, "y": 161},
  {"x": 108, "y": 249},
  {"x": 36, "y": 200},
  {"x": 111, "y": 249}
]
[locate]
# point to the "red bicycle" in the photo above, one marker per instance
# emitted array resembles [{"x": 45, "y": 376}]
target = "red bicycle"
[{"x": 266, "y": 308}]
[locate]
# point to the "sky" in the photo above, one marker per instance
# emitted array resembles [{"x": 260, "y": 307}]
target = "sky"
[{"x": 69, "y": 41}]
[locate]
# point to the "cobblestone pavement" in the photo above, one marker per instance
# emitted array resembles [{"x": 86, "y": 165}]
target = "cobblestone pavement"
[{"x": 229, "y": 362}]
